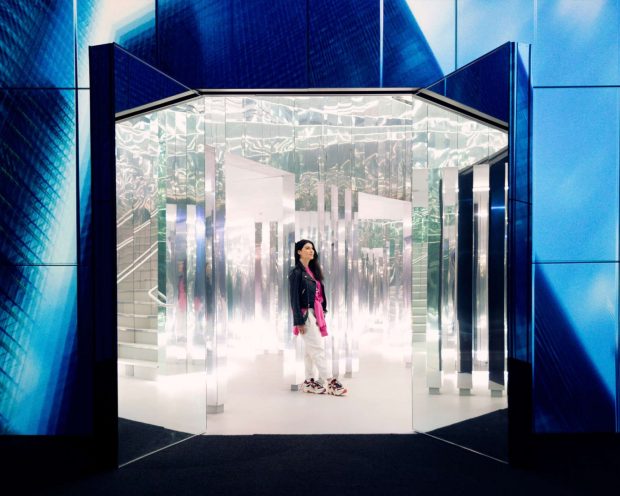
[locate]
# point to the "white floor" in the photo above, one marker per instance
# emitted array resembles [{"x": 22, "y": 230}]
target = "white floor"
[{"x": 384, "y": 397}]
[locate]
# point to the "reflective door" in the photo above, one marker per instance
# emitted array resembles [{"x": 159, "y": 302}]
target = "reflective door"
[{"x": 162, "y": 275}]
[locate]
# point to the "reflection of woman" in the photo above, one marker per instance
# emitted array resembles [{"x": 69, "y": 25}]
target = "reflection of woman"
[
  {"x": 181, "y": 310},
  {"x": 309, "y": 304},
  {"x": 181, "y": 286}
]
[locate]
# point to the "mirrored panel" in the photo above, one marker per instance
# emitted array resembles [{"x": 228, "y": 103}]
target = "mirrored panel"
[
  {"x": 161, "y": 276},
  {"x": 459, "y": 375}
]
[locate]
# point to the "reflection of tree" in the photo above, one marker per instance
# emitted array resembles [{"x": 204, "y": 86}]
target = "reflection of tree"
[
  {"x": 434, "y": 241},
  {"x": 305, "y": 194}
]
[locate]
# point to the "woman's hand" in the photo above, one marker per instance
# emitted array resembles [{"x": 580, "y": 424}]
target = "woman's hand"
[{"x": 301, "y": 329}]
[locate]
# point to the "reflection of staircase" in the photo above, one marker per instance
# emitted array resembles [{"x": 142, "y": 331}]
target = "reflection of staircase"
[
  {"x": 137, "y": 339},
  {"x": 137, "y": 312},
  {"x": 419, "y": 291}
]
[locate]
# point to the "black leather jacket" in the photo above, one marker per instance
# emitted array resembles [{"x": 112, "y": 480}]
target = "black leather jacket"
[{"x": 302, "y": 289}]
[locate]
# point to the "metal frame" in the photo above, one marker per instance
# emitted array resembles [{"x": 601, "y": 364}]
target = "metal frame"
[{"x": 424, "y": 94}]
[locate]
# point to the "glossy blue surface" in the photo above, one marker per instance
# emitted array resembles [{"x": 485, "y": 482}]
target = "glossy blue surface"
[
  {"x": 36, "y": 43},
  {"x": 344, "y": 54},
  {"x": 102, "y": 21},
  {"x": 37, "y": 380},
  {"x": 576, "y": 325},
  {"x": 137, "y": 83},
  {"x": 577, "y": 43},
  {"x": 519, "y": 283},
  {"x": 84, "y": 138},
  {"x": 484, "y": 84},
  {"x": 437, "y": 21},
  {"x": 483, "y": 25},
  {"x": 520, "y": 186},
  {"x": 408, "y": 60},
  {"x": 38, "y": 169},
  {"x": 236, "y": 44},
  {"x": 575, "y": 174}
]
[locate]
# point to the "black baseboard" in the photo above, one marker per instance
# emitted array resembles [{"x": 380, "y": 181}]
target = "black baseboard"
[
  {"x": 38, "y": 461},
  {"x": 558, "y": 451},
  {"x": 528, "y": 449},
  {"x": 519, "y": 412}
]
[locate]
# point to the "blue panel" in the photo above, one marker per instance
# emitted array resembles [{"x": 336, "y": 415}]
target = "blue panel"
[
  {"x": 38, "y": 322},
  {"x": 37, "y": 166},
  {"x": 483, "y": 25},
  {"x": 233, "y": 44},
  {"x": 102, "y": 21},
  {"x": 575, "y": 174},
  {"x": 465, "y": 273},
  {"x": 84, "y": 185},
  {"x": 344, "y": 43},
  {"x": 576, "y": 324},
  {"x": 97, "y": 296},
  {"x": 520, "y": 130},
  {"x": 203, "y": 57},
  {"x": 484, "y": 84},
  {"x": 437, "y": 20},
  {"x": 519, "y": 281},
  {"x": 137, "y": 83},
  {"x": 577, "y": 43},
  {"x": 408, "y": 60},
  {"x": 36, "y": 43}
]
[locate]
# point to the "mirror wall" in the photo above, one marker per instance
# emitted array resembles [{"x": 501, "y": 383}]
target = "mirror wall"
[
  {"x": 162, "y": 214},
  {"x": 396, "y": 194}
]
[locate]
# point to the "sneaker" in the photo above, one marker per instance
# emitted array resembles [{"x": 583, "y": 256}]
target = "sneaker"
[
  {"x": 311, "y": 386},
  {"x": 335, "y": 388}
]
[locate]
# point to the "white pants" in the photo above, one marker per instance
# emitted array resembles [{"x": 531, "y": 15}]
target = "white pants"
[{"x": 314, "y": 354}]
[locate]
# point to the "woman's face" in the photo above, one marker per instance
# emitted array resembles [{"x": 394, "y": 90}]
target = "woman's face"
[{"x": 306, "y": 253}]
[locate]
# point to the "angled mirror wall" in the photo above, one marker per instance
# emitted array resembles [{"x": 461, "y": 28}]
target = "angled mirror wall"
[
  {"x": 161, "y": 284},
  {"x": 479, "y": 304}
]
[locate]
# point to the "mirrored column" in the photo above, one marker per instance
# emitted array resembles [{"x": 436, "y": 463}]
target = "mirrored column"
[{"x": 465, "y": 274}]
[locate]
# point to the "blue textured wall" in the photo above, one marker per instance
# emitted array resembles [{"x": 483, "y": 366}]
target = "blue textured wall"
[{"x": 44, "y": 138}]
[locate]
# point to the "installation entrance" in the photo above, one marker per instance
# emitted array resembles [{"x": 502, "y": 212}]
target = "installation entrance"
[{"x": 405, "y": 201}]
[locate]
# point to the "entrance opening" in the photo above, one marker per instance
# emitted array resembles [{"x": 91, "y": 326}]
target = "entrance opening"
[{"x": 405, "y": 201}]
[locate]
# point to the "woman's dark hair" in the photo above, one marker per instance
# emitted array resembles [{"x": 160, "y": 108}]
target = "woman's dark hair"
[{"x": 314, "y": 264}]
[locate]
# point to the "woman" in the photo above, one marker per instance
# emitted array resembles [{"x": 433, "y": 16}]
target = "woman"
[{"x": 309, "y": 305}]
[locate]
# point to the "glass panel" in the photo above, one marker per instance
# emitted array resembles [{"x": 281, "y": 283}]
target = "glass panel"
[
  {"x": 175, "y": 16},
  {"x": 344, "y": 54},
  {"x": 484, "y": 25},
  {"x": 162, "y": 276},
  {"x": 463, "y": 359},
  {"x": 157, "y": 155},
  {"x": 519, "y": 284},
  {"x": 36, "y": 44},
  {"x": 520, "y": 185},
  {"x": 38, "y": 190},
  {"x": 576, "y": 320},
  {"x": 235, "y": 31},
  {"x": 461, "y": 222},
  {"x": 566, "y": 53},
  {"x": 436, "y": 20},
  {"x": 482, "y": 85},
  {"x": 84, "y": 176},
  {"x": 137, "y": 83},
  {"x": 580, "y": 174},
  {"x": 37, "y": 379},
  {"x": 130, "y": 24},
  {"x": 416, "y": 49}
]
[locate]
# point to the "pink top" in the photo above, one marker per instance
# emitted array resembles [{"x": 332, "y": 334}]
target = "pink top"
[{"x": 318, "y": 308}]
